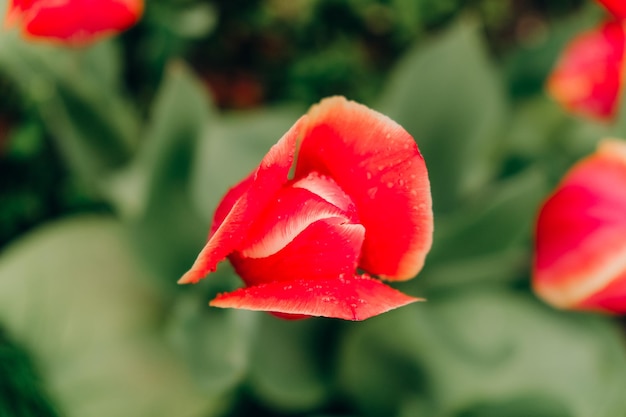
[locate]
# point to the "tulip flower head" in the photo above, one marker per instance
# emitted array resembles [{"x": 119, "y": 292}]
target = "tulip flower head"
[
  {"x": 587, "y": 79},
  {"x": 72, "y": 22},
  {"x": 358, "y": 197},
  {"x": 580, "y": 247}
]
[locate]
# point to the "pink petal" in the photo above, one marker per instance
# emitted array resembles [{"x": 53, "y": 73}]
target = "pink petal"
[
  {"x": 580, "y": 254},
  {"x": 617, "y": 7},
  {"x": 356, "y": 298},
  {"x": 377, "y": 163},
  {"x": 77, "y": 21},
  {"x": 272, "y": 173},
  {"x": 588, "y": 77}
]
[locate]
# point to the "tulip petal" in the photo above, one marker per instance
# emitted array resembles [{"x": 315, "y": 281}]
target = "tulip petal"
[
  {"x": 328, "y": 247},
  {"x": 580, "y": 256},
  {"x": 76, "y": 21},
  {"x": 269, "y": 177},
  {"x": 292, "y": 211},
  {"x": 588, "y": 76},
  {"x": 617, "y": 7},
  {"x": 356, "y": 298},
  {"x": 228, "y": 201},
  {"x": 378, "y": 165}
]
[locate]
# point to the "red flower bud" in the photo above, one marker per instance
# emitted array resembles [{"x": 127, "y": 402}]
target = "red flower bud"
[
  {"x": 580, "y": 251},
  {"x": 587, "y": 79},
  {"x": 617, "y": 7},
  {"x": 359, "y": 198},
  {"x": 75, "y": 22}
]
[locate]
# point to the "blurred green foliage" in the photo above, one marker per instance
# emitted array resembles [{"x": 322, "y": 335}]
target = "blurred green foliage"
[{"x": 143, "y": 134}]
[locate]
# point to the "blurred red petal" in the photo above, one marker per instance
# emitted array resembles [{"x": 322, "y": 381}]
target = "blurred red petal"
[
  {"x": 75, "y": 21},
  {"x": 377, "y": 163},
  {"x": 617, "y": 7},
  {"x": 356, "y": 298},
  {"x": 588, "y": 76},
  {"x": 580, "y": 254},
  {"x": 269, "y": 177}
]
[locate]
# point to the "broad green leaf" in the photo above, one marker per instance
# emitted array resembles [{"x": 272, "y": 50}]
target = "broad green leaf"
[
  {"x": 231, "y": 149},
  {"x": 286, "y": 370},
  {"x": 74, "y": 296},
  {"x": 503, "y": 268},
  {"x": 449, "y": 97},
  {"x": 495, "y": 220},
  {"x": 487, "y": 239},
  {"x": 78, "y": 96},
  {"x": 477, "y": 350},
  {"x": 377, "y": 371},
  {"x": 216, "y": 343},
  {"x": 21, "y": 393},
  {"x": 153, "y": 194}
]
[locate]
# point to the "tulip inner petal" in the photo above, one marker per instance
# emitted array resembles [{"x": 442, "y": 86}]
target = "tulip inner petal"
[{"x": 292, "y": 212}]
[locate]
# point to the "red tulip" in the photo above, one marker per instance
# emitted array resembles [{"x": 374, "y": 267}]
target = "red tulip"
[
  {"x": 587, "y": 79},
  {"x": 359, "y": 197},
  {"x": 76, "y": 22},
  {"x": 617, "y": 7},
  {"x": 580, "y": 254}
]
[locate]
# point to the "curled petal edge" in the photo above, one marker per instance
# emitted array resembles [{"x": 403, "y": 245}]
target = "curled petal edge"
[
  {"x": 269, "y": 177},
  {"x": 357, "y": 298}
]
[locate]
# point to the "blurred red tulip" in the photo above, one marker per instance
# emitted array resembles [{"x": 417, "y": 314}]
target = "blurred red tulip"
[
  {"x": 580, "y": 253},
  {"x": 359, "y": 198},
  {"x": 617, "y": 7},
  {"x": 587, "y": 79},
  {"x": 75, "y": 22}
]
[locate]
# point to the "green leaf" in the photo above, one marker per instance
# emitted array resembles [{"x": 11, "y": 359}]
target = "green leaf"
[
  {"x": 474, "y": 350},
  {"x": 152, "y": 194},
  {"x": 21, "y": 394},
  {"x": 449, "y": 97},
  {"x": 497, "y": 219},
  {"x": 232, "y": 148},
  {"x": 216, "y": 343},
  {"x": 73, "y": 295},
  {"x": 286, "y": 372},
  {"x": 78, "y": 96}
]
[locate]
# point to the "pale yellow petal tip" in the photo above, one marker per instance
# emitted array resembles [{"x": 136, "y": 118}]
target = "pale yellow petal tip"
[
  {"x": 613, "y": 147},
  {"x": 190, "y": 277}
]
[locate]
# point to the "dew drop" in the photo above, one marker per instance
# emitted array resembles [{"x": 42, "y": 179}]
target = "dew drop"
[
  {"x": 369, "y": 175},
  {"x": 390, "y": 184}
]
